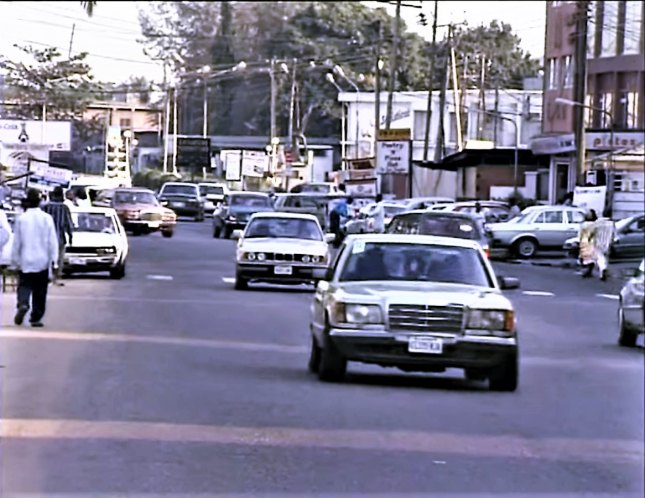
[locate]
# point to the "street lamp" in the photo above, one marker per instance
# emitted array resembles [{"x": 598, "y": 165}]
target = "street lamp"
[
  {"x": 343, "y": 138},
  {"x": 610, "y": 178},
  {"x": 339, "y": 71},
  {"x": 207, "y": 69}
]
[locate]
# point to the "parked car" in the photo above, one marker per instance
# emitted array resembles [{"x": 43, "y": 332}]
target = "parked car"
[
  {"x": 213, "y": 194},
  {"x": 236, "y": 210},
  {"x": 280, "y": 248},
  {"x": 141, "y": 213},
  {"x": 538, "y": 228},
  {"x": 99, "y": 243},
  {"x": 415, "y": 203},
  {"x": 183, "y": 198},
  {"x": 363, "y": 222},
  {"x": 631, "y": 308},
  {"x": 629, "y": 241},
  {"x": 445, "y": 224},
  {"x": 316, "y": 188},
  {"x": 418, "y": 303},
  {"x": 309, "y": 203},
  {"x": 494, "y": 211}
]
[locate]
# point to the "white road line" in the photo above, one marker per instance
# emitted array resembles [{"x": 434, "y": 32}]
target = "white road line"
[
  {"x": 159, "y": 277},
  {"x": 228, "y": 280},
  {"x": 538, "y": 293},
  {"x": 609, "y": 296}
]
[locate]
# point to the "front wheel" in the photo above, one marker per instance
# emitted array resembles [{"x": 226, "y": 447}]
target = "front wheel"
[
  {"x": 314, "y": 356},
  {"x": 118, "y": 272},
  {"x": 216, "y": 231},
  {"x": 240, "y": 282},
  {"x": 168, "y": 233},
  {"x": 525, "y": 248},
  {"x": 505, "y": 377},
  {"x": 626, "y": 337},
  {"x": 332, "y": 365}
]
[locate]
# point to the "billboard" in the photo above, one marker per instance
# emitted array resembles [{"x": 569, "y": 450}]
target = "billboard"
[
  {"x": 17, "y": 158},
  {"x": 193, "y": 153},
  {"x": 254, "y": 163},
  {"x": 57, "y": 135}
]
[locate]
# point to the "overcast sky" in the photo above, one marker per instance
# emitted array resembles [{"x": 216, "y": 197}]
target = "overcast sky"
[{"x": 110, "y": 36}]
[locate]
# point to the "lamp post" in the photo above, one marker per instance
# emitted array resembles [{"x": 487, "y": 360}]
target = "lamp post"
[
  {"x": 205, "y": 70},
  {"x": 339, "y": 71},
  {"x": 610, "y": 179},
  {"x": 343, "y": 138}
]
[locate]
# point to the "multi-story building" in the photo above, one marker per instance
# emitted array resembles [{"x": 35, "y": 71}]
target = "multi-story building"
[{"x": 614, "y": 117}]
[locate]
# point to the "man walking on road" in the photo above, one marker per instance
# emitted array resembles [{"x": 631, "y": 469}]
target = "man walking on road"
[
  {"x": 34, "y": 253},
  {"x": 62, "y": 216},
  {"x": 604, "y": 234}
]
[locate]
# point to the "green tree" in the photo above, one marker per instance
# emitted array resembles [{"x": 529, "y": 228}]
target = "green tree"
[{"x": 89, "y": 7}]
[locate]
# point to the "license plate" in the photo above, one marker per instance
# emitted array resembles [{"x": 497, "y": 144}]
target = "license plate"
[
  {"x": 76, "y": 261},
  {"x": 179, "y": 204},
  {"x": 283, "y": 270},
  {"x": 154, "y": 224},
  {"x": 429, "y": 345}
]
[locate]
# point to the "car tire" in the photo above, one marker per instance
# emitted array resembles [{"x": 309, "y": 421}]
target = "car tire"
[
  {"x": 525, "y": 248},
  {"x": 505, "y": 377},
  {"x": 118, "y": 272},
  {"x": 314, "y": 356},
  {"x": 474, "y": 374},
  {"x": 241, "y": 283},
  {"x": 216, "y": 231},
  {"x": 227, "y": 232},
  {"x": 332, "y": 365},
  {"x": 168, "y": 233},
  {"x": 626, "y": 337}
]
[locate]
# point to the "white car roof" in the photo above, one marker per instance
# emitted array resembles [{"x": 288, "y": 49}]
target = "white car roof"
[
  {"x": 394, "y": 238},
  {"x": 281, "y": 214},
  {"x": 93, "y": 209}
]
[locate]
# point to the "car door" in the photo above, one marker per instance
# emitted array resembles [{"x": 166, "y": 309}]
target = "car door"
[
  {"x": 550, "y": 228},
  {"x": 632, "y": 239}
]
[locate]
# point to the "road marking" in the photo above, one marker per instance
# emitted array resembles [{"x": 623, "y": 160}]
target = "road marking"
[
  {"x": 228, "y": 280},
  {"x": 159, "y": 277},
  {"x": 16, "y": 333},
  {"x": 434, "y": 443},
  {"x": 538, "y": 293},
  {"x": 613, "y": 297}
]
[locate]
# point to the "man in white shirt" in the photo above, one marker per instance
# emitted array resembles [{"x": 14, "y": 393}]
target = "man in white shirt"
[
  {"x": 34, "y": 254},
  {"x": 378, "y": 215}
]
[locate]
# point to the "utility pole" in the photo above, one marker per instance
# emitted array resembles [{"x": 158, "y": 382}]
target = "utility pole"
[
  {"x": 71, "y": 40},
  {"x": 273, "y": 99},
  {"x": 455, "y": 94},
  {"x": 377, "y": 86},
  {"x": 580, "y": 84},
  {"x": 292, "y": 111},
  {"x": 394, "y": 63},
  {"x": 433, "y": 55},
  {"x": 438, "y": 153},
  {"x": 481, "y": 119}
]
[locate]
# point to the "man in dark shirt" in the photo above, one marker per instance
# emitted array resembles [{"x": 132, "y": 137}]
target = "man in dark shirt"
[{"x": 62, "y": 216}]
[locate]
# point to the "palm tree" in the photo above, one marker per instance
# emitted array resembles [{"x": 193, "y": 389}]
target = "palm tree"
[{"x": 89, "y": 7}]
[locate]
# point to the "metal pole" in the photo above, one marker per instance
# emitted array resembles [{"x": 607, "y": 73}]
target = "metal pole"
[
  {"x": 174, "y": 131},
  {"x": 205, "y": 110},
  {"x": 343, "y": 137},
  {"x": 426, "y": 138},
  {"x": 42, "y": 133},
  {"x": 166, "y": 131},
  {"x": 377, "y": 88},
  {"x": 393, "y": 64},
  {"x": 517, "y": 144},
  {"x": 273, "y": 100}
]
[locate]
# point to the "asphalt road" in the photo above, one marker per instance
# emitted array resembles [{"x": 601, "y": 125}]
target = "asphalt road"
[{"x": 170, "y": 383}]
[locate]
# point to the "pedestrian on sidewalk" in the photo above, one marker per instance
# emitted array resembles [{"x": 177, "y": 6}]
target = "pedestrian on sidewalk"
[
  {"x": 604, "y": 233},
  {"x": 378, "y": 215},
  {"x": 62, "y": 217},
  {"x": 34, "y": 254},
  {"x": 586, "y": 247}
]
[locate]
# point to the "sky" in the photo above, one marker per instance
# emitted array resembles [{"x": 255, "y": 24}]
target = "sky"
[{"x": 110, "y": 35}]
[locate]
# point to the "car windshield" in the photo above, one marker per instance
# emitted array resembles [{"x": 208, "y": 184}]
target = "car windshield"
[
  {"x": 414, "y": 262},
  {"x": 290, "y": 228},
  {"x": 250, "y": 201},
  {"x": 179, "y": 189},
  {"x": 392, "y": 210},
  {"x": 135, "y": 198},
  {"x": 444, "y": 226},
  {"x": 93, "y": 223},
  {"x": 211, "y": 189}
]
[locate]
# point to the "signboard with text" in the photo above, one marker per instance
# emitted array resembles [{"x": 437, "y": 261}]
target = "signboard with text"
[
  {"x": 393, "y": 157},
  {"x": 232, "y": 162},
  {"x": 590, "y": 198},
  {"x": 254, "y": 163},
  {"x": 57, "y": 135},
  {"x": 193, "y": 153}
]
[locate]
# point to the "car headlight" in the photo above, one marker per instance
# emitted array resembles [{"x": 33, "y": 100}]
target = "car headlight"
[
  {"x": 316, "y": 259},
  {"x": 306, "y": 259},
  {"x": 359, "y": 314},
  {"x": 163, "y": 202},
  {"x": 250, "y": 256},
  {"x": 491, "y": 321},
  {"x": 261, "y": 256}
]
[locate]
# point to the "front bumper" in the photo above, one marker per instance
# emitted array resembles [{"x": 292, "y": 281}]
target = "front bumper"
[
  {"x": 391, "y": 349},
  {"x": 148, "y": 225},
  {"x": 89, "y": 263},
  {"x": 266, "y": 272},
  {"x": 184, "y": 209}
]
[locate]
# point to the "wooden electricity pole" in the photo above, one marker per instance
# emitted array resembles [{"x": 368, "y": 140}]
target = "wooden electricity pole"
[
  {"x": 433, "y": 55},
  {"x": 394, "y": 64}
]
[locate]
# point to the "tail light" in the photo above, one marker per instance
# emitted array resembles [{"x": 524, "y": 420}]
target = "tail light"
[{"x": 487, "y": 251}]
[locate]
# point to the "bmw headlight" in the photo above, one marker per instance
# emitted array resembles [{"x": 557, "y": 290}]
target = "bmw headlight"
[
  {"x": 491, "y": 320},
  {"x": 250, "y": 256},
  {"x": 306, "y": 259},
  {"x": 358, "y": 314},
  {"x": 261, "y": 256}
]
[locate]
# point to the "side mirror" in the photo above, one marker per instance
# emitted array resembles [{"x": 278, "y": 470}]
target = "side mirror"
[
  {"x": 330, "y": 237},
  {"x": 507, "y": 283},
  {"x": 322, "y": 274},
  {"x": 237, "y": 234}
]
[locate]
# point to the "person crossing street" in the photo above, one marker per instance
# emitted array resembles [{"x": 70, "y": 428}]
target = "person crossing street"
[
  {"x": 604, "y": 233},
  {"x": 62, "y": 217}
]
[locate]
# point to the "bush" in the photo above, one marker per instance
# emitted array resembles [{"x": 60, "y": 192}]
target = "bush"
[{"x": 153, "y": 179}]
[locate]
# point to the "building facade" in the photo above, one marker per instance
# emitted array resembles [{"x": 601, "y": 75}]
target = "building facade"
[{"x": 614, "y": 117}]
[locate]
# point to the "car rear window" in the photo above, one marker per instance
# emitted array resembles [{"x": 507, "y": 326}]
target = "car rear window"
[
  {"x": 179, "y": 189},
  {"x": 444, "y": 226}
]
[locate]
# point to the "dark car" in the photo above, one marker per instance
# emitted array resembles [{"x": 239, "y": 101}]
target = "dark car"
[
  {"x": 235, "y": 211},
  {"x": 183, "y": 198},
  {"x": 628, "y": 243},
  {"x": 446, "y": 224}
]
